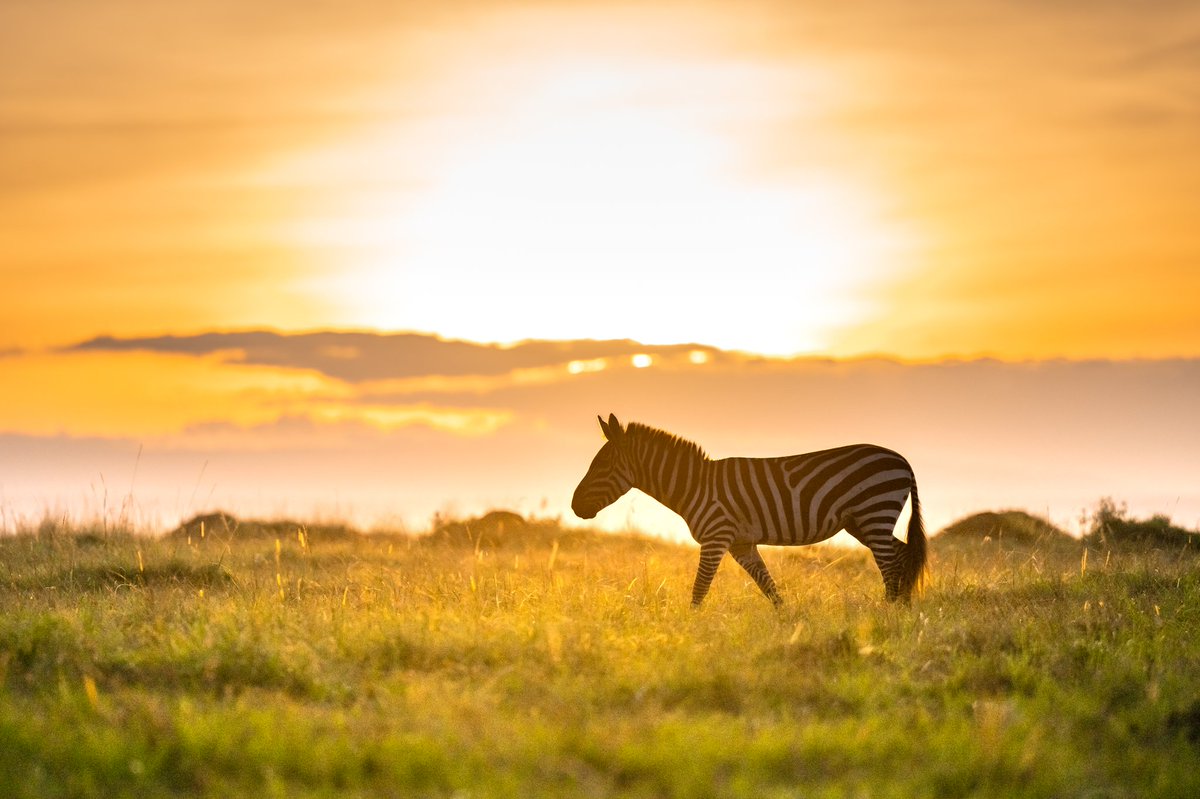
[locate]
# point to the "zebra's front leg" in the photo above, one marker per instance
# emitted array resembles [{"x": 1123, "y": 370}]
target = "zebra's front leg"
[
  {"x": 749, "y": 559},
  {"x": 711, "y": 553}
]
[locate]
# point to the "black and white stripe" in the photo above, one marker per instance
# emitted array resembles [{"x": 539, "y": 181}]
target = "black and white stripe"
[{"x": 734, "y": 504}]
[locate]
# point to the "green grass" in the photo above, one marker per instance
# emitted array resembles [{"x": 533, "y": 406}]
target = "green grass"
[{"x": 532, "y": 661}]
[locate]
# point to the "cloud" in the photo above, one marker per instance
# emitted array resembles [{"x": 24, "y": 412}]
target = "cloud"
[
  {"x": 359, "y": 357},
  {"x": 1182, "y": 54}
]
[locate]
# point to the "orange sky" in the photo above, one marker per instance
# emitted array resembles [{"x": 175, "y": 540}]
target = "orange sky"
[
  {"x": 922, "y": 181},
  {"x": 1013, "y": 180}
]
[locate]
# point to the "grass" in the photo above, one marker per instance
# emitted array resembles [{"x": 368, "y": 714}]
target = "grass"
[{"x": 529, "y": 660}]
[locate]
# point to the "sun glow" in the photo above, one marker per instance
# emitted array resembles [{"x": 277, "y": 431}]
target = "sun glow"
[
  {"x": 584, "y": 196},
  {"x": 592, "y": 365}
]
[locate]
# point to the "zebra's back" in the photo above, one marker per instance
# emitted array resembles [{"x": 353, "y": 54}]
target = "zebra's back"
[{"x": 806, "y": 498}]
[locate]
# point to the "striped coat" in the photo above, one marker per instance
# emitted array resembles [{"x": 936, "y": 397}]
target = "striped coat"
[{"x": 734, "y": 504}]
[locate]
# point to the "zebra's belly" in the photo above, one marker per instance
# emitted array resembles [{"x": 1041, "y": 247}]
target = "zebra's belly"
[{"x": 782, "y": 534}]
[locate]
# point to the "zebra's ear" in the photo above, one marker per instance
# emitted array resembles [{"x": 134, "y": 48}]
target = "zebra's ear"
[
  {"x": 613, "y": 431},
  {"x": 612, "y": 428}
]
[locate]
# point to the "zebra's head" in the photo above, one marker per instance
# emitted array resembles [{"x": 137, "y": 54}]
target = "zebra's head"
[{"x": 609, "y": 476}]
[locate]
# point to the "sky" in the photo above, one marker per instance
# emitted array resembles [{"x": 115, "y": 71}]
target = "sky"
[{"x": 240, "y": 243}]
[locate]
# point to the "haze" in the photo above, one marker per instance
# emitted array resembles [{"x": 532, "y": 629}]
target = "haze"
[{"x": 891, "y": 191}]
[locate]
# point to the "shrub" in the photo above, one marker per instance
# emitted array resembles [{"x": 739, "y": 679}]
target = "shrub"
[{"x": 1111, "y": 527}]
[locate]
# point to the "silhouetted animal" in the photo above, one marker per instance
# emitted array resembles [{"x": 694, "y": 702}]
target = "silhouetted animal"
[{"x": 734, "y": 504}]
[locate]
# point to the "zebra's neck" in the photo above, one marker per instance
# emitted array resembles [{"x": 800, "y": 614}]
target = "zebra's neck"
[{"x": 672, "y": 472}]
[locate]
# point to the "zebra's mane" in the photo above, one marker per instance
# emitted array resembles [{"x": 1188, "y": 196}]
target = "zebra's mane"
[{"x": 664, "y": 440}]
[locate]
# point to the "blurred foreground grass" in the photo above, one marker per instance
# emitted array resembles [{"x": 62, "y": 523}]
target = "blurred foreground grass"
[{"x": 512, "y": 659}]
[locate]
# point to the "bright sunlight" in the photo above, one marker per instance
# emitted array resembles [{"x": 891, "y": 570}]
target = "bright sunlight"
[{"x": 613, "y": 198}]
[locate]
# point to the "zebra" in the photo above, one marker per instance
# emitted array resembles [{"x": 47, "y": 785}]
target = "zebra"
[{"x": 734, "y": 504}]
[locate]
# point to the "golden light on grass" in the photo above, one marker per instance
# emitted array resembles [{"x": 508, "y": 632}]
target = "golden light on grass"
[
  {"x": 92, "y": 693},
  {"x": 431, "y": 618}
]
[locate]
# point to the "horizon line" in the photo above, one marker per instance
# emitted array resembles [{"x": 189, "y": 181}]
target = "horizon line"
[{"x": 125, "y": 342}]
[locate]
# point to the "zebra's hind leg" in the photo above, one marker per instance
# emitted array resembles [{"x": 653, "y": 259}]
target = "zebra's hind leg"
[
  {"x": 886, "y": 549},
  {"x": 749, "y": 559}
]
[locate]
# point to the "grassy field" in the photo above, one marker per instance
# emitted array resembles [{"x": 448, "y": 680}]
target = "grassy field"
[{"x": 536, "y": 661}]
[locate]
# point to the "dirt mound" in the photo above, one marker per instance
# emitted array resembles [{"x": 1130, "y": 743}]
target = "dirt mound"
[
  {"x": 223, "y": 526},
  {"x": 1014, "y": 527},
  {"x": 496, "y": 529}
]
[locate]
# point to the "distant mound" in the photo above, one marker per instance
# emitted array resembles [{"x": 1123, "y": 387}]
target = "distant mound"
[
  {"x": 1014, "y": 527},
  {"x": 497, "y": 529},
  {"x": 225, "y": 525}
]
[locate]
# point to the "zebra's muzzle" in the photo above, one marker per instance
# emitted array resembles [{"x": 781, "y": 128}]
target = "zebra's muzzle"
[
  {"x": 583, "y": 511},
  {"x": 582, "y": 508}
]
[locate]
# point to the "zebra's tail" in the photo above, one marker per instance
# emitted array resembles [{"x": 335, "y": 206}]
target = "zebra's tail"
[{"x": 912, "y": 578}]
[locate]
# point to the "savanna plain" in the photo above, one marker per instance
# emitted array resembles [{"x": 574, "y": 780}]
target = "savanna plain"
[{"x": 503, "y": 657}]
